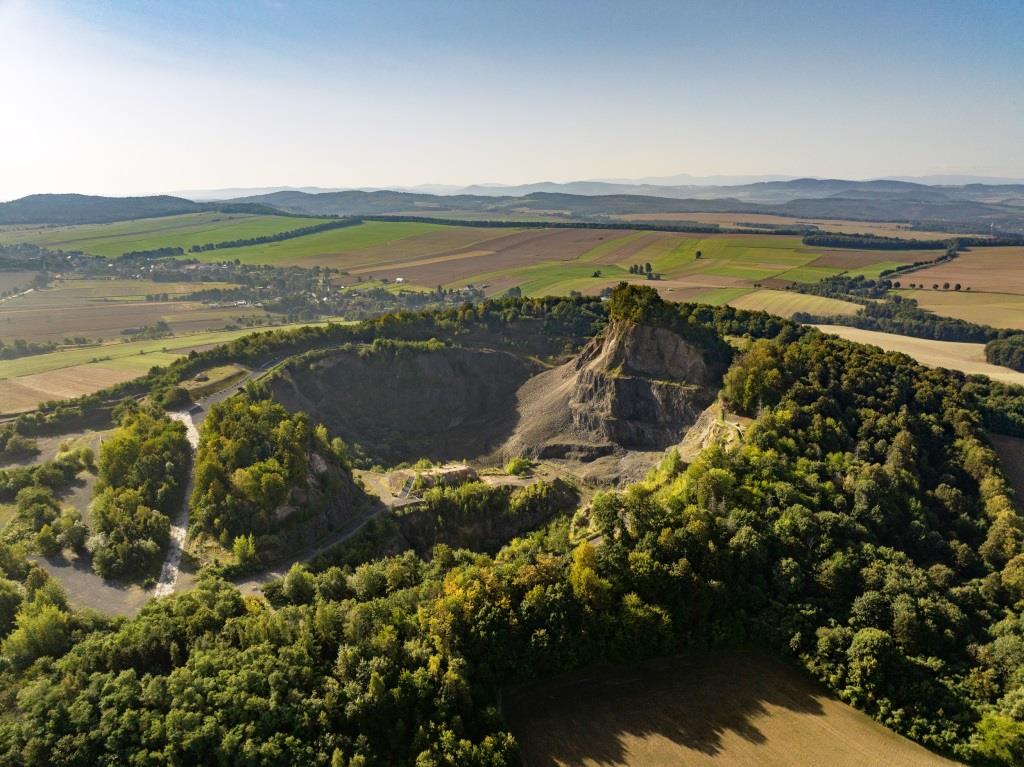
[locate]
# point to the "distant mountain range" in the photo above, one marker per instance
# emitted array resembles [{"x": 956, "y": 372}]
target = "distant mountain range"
[
  {"x": 963, "y": 207},
  {"x": 680, "y": 186},
  {"x": 90, "y": 209}
]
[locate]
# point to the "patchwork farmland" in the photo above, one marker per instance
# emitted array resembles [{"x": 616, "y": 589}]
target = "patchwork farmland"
[
  {"x": 112, "y": 240},
  {"x": 102, "y": 309},
  {"x": 29, "y": 381}
]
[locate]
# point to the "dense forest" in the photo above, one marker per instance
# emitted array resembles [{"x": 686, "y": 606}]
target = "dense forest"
[
  {"x": 256, "y": 464},
  {"x": 143, "y": 471},
  {"x": 1007, "y": 351},
  {"x": 862, "y": 527}
]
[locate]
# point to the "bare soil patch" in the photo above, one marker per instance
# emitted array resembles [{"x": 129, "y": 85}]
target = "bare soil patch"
[{"x": 718, "y": 709}]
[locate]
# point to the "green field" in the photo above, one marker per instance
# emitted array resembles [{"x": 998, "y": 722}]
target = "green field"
[
  {"x": 367, "y": 235},
  {"x": 133, "y": 355},
  {"x": 809, "y": 273},
  {"x": 786, "y": 303},
  {"x": 721, "y": 296},
  {"x": 874, "y": 271},
  {"x": 111, "y": 240}
]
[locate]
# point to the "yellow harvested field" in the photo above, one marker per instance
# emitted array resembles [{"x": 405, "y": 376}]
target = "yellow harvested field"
[
  {"x": 786, "y": 303},
  {"x": 994, "y": 270},
  {"x": 25, "y": 393},
  {"x": 965, "y": 357},
  {"x": 1000, "y": 310},
  {"x": 735, "y": 709}
]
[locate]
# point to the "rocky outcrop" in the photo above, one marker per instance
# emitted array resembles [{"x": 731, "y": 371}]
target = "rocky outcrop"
[{"x": 633, "y": 387}]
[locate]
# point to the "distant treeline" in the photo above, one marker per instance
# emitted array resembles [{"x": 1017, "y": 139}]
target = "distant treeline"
[
  {"x": 904, "y": 317},
  {"x": 877, "y": 242},
  {"x": 290, "y": 234},
  {"x": 155, "y": 253},
  {"x": 21, "y": 348},
  {"x": 629, "y": 225}
]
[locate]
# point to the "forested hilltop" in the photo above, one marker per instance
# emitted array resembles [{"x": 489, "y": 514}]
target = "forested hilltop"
[{"x": 862, "y": 528}]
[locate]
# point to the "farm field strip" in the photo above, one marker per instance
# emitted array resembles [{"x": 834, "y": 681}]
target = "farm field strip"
[
  {"x": 97, "y": 309},
  {"x": 64, "y": 292},
  {"x": 995, "y": 270},
  {"x": 439, "y": 243},
  {"x": 735, "y": 709},
  {"x": 41, "y": 363},
  {"x": 966, "y": 357},
  {"x": 321, "y": 245},
  {"x": 17, "y": 280},
  {"x": 786, "y": 303},
  {"x": 1000, "y": 310},
  {"x": 722, "y": 296},
  {"x": 29, "y": 381},
  {"x": 842, "y": 226},
  {"x": 111, "y": 240}
]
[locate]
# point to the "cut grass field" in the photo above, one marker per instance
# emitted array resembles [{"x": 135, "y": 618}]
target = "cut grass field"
[
  {"x": 786, "y": 303},
  {"x": 111, "y": 240},
  {"x": 99, "y": 309},
  {"x": 965, "y": 357},
  {"x": 1000, "y": 310},
  {"x": 735, "y": 709}
]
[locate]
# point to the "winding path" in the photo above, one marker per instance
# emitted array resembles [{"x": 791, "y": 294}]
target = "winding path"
[{"x": 179, "y": 525}]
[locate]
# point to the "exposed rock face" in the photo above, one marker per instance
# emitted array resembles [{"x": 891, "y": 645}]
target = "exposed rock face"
[
  {"x": 450, "y": 403},
  {"x": 633, "y": 387}
]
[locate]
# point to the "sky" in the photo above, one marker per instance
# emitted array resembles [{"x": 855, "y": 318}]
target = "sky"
[{"x": 119, "y": 98}]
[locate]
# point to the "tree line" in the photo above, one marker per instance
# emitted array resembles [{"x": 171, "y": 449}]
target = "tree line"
[{"x": 277, "y": 237}]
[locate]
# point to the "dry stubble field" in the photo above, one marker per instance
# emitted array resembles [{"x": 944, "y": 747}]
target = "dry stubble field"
[
  {"x": 727, "y": 709},
  {"x": 990, "y": 270}
]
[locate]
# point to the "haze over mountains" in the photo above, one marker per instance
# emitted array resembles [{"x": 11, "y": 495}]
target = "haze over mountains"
[
  {"x": 968, "y": 207},
  {"x": 678, "y": 185}
]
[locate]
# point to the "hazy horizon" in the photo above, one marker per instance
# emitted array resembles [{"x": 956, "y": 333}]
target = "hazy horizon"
[{"x": 116, "y": 98}]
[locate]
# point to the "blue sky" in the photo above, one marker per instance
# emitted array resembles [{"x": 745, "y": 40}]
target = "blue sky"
[{"x": 118, "y": 97}]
